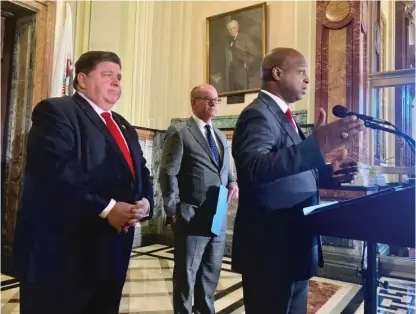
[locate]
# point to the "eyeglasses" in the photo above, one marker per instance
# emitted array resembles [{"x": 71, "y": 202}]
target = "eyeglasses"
[{"x": 210, "y": 100}]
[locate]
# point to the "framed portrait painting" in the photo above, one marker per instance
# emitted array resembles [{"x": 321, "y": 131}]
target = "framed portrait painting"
[{"x": 236, "y": 44}]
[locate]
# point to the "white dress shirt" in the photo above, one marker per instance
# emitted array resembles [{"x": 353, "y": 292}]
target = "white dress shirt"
[
  {"x": 281, "y": 103},
  {"x": 99, "y": 111},
  {"x": 201, "y": 126}
]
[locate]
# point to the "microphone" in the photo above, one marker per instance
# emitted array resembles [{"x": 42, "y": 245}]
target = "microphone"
[{"x": 341, "y": 112}]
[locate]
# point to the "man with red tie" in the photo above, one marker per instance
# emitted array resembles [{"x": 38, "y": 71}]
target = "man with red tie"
[
  {"x": 86, "y": 185},
  {"x": 280, "y": 171}
]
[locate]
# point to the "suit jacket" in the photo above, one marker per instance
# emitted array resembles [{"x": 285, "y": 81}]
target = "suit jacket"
[
  {"x": 73, "y": 169},
  {"x": 277, "y": 176},
  {"x": 189, "y": 177}
]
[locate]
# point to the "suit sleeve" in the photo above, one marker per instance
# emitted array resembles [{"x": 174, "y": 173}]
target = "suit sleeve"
[
  {"x": 326, "y": 180},
  {"x": 169, "y": 169},
  {"x": 258, "y": 156},
  {"x": 231, "y": 178},
  {"x": 52, "y": 156},
  {"x": 147, "y": 188}
]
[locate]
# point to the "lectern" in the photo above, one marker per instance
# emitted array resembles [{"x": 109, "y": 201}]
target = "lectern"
[{"x": 385, "y": 217}]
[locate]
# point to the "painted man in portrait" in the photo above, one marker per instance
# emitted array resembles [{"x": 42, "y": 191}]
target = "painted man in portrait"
[{"x": 243, "y": 57}]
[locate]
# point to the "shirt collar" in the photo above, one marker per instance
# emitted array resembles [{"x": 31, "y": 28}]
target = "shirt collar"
[
  {"x": 201, "y": 124},
  {"x": 97, "y": 109},
  {"x": 279, "y": 101}
]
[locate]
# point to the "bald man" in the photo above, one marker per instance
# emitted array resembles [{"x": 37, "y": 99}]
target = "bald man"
[
  {"x": 195, "y": 162},
  {"x": 279, "y": 173}
]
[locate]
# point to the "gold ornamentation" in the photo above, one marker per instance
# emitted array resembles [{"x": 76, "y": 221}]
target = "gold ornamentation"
[{"x": 336, "y": 11}]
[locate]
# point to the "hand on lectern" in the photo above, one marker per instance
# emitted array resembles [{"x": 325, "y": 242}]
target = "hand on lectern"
[{"x": 345, "y": 168}]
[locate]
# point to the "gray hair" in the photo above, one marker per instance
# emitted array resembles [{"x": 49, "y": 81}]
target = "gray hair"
[{"x": 233, "y": 23}]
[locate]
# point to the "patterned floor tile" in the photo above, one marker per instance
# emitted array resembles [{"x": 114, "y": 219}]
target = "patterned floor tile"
[{"x": 148, "y": 289}]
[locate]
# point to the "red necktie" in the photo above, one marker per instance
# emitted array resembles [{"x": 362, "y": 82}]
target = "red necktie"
[
  {"x": 289, "y": 115},
  {"x": 118, "y": 137}
]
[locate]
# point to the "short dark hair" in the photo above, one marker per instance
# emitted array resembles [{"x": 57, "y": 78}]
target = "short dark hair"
[{"x": 89, "y": 60}]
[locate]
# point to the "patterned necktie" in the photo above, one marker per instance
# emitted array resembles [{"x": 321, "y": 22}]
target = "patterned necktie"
[
  {"x": 289, "y": 116},
  {"x": 212, "y": 144},
  {"x": 116, "y": 133}
]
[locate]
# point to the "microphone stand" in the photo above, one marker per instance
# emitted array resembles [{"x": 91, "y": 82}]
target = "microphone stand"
[
  {"x": 370, "y": 268},
  {"x": 407, "y": 138}
]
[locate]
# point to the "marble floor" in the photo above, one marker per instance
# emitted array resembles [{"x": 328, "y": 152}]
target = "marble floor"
[{"x": 148, "y": 289}]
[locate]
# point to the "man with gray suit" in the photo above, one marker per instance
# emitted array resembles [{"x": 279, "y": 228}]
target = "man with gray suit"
[
  {"x": 195, "y": 162},
  {"x": 279, "y": 173}
]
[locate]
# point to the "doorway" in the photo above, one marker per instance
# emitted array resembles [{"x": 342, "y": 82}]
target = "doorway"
[{"x": 26, "y": 57}]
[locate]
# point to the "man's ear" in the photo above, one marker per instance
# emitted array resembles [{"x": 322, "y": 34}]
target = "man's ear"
[
  {"x": 81, "y": 77},
  {"x": 276, "y": 73}
]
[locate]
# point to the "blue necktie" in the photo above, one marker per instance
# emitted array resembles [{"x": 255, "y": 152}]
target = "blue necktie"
[{"x": 212, "y": 144}]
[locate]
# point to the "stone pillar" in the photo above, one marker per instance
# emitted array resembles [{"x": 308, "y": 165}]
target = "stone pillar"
[
  {"x": 341, "y": 79},
  {"x": 341, "y": 62},
  {"x": 31, "y": 69}
]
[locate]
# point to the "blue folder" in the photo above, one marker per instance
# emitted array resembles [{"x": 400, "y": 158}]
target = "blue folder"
[{"x": 222, "y": 207}]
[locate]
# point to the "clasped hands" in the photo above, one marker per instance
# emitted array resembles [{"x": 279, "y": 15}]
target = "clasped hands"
[{"x": 124, "y": 215}]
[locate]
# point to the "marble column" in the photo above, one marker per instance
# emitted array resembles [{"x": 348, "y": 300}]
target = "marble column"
[
  {"x": 341, "y": 62},
  {"x": 341, "y": 79}
]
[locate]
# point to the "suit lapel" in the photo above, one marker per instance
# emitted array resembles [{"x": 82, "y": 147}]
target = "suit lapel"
[
  {"x": 286, "y": 124},
  {"x": 223, "y": 143},
  {"x": 199, "y": 137},
  {"x": 91, "y": 114},
  {"x": 99, "y": 123},
  {"x": 301, "y": 134},
  {"x": 280, "y": 117}
]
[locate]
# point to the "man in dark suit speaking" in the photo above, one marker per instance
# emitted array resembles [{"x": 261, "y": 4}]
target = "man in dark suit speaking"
[
  {"x": 279, "y": 172},
  {"x": 195, "y": 162},
  {"x": 85, "y": 186}
]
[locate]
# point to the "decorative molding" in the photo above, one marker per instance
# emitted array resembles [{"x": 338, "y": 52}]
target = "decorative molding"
[
  {"x": 228, "y": 122},
  {"x": 336, "y": 14},
  {"x": 337, "y": 11}
]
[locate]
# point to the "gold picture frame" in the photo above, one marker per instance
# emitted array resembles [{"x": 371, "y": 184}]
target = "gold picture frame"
[{"x": 236, "y": 44}]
